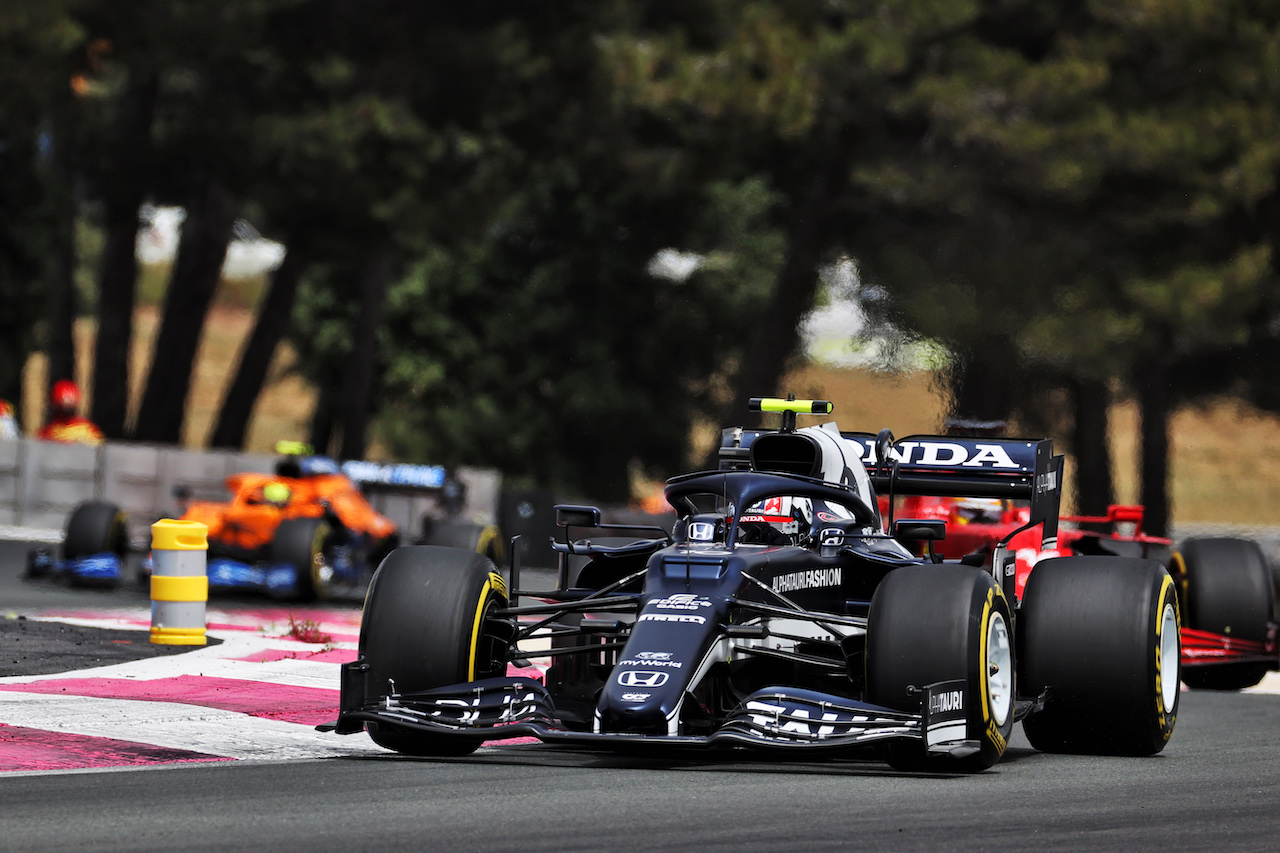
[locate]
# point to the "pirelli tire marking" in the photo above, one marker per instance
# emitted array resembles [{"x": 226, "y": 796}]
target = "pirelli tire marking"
[
  {"x": 493, "y": 584},
  {"x": 995, "y": 685}
]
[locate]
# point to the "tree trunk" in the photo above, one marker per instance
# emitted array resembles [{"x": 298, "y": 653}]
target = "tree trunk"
[
  {"x": 775, "y": 342},
  {"x": 205, "y": 235},
  {"x": 63, "y": 308},
  {"x": 117, "y": 288},
  {"x": 1091, "y": 446},
  {"x": 270, "y": 327},
  {"x": 125, "y": 190},
  {"x": 983, "y": 383},
  {"x": 357, "y": 391},
  {"x": 1154, "y": 409},
  {"x": 321, "y": 435}
]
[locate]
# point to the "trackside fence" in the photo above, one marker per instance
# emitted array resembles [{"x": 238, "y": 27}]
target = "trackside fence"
[{"x": 41, "y": 482}]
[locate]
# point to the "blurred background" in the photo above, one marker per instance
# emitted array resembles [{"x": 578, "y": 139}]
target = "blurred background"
[{"x": 566, "y": 240}]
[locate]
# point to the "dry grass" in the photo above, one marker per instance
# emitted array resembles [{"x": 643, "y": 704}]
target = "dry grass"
[
  {"x": 283, "y": 411},
  {"x": 1225, "y": 459}
]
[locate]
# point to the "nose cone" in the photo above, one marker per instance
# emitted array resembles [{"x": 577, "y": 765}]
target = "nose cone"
[
  {"x": 672, "y": 636},
  {"x": 640, "y": 701}
]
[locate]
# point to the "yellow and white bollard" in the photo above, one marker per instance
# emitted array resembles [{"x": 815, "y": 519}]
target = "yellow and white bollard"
[{"x": 179, "y": 582}]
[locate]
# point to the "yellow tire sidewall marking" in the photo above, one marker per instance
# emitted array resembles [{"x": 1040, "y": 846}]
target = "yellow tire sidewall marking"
[
  {"x": 493, "y": 583},
  {"x": 990, "y": 729}
]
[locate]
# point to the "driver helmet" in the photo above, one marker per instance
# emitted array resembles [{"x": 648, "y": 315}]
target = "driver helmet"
[
  {"x": 783, "y": 513},
  {"x": 64, "y": 397},
  {"x": 276, "y": 493},
  {"x": 978, "y": 511}
]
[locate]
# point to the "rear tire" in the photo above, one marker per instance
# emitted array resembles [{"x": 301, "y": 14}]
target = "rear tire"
[
  {"x": 1101, "y": 635},
  {"x": 1228, "y": 590},
  {"x": 482, "y": 538},
  {"x": 941, "y": 623},
  {"x": 95, "y": 527},
  {"x": 428, "y": 622}
]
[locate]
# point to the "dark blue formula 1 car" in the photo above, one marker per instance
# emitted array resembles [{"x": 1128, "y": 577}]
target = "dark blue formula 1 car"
[{"x": 778, "y": 615}]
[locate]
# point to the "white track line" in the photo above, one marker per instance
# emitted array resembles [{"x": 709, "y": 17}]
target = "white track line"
[
  {"x": 215, "y": 661},
  {"x": 1270, "y": 684},
  {"x": 178, "y": 726}
]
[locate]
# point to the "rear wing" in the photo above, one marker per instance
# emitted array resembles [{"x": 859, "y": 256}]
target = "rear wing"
[
  {"x": 398, "y": 476},
  {"x": 944, "y": 466},
  {"x": 951, "y": 466},
  {"x": 299, "y": 459}
]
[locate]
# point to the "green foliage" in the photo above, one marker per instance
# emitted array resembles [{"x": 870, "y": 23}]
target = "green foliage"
[
  {"x": 37, "y": 39},
  {"x": 1071, "y": 187}
]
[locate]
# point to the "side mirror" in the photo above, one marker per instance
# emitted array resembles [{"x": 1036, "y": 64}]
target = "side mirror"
[
  {"x": 928, "y": 530},
  {"x": 577, "y": 516},
  {"x": 918, "y": 529}
]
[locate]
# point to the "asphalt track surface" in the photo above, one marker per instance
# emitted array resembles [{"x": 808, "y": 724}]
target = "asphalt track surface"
[{"x": 1216, "y": 787}]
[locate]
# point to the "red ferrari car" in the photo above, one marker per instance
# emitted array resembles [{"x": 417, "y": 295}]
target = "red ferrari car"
[{"x": 1229, "y": 616}]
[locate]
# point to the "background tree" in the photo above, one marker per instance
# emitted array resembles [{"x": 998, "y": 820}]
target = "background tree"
[
  {"x": 599, "y": 223},
  {"x": 39, "y": 50}
]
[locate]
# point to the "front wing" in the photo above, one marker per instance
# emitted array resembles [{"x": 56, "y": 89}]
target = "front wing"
[
  {"x": 105, "y": 570},
  {"x": 774, "y": 718}
]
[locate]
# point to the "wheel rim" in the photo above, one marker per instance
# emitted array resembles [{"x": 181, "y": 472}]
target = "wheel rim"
[
  {"x": 321, "y": 573},
  {"x": 322, "y": 570},
  {"x": 1169, "y": 659},
  {"x": 999, "y": 669}
]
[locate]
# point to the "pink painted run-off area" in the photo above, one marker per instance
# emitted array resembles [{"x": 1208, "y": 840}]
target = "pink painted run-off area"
[
  {"x": 35, "y": 749},
  {"x": 307, "y": 705},
  {"x": 330, "y": 656},
  {"x": 329, "y": 627}
]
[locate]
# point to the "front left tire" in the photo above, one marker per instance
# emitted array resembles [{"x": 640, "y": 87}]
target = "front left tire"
[{"x": 1101, "y": 644}]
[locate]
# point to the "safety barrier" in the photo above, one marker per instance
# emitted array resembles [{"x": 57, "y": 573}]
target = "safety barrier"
[
  {"x": 41, "y": 482},
  {"x": 179, "y": 582}
]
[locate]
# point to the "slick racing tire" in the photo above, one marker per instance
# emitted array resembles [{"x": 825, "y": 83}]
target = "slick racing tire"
[
  {"x": 428, "y": 622},
  {"x": 934, "y": 623},
  {"x": 1100, "y": 642},
  {"x": 300, "y": 542},
  {"x": 484, "y": 539},
  {"x": 95, "y": 527},
  {"x": 1227, "y": 590}
]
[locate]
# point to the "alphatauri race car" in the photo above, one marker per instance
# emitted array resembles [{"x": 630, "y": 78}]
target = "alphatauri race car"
[{"x": 778, "y": 615}]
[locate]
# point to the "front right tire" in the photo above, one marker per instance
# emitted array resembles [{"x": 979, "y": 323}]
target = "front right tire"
[
  {"x": 300, "y": 542},
  {"x": 429, "y": 622},
  {"x": 95, "y": 527}
]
